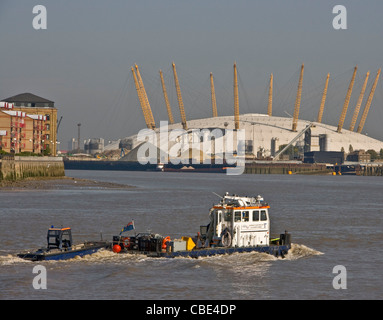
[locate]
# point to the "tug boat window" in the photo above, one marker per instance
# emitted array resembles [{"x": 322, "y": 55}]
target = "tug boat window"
[
  {"x": 256, "y": 215},
  {"x": 228, "y": 215},
  {"x": 66, "y": 239},
  {"x": 245, "y": 216},
  {"x": 263, "y": 215},
  {"x": 237, "y": 216},
  {"x": 53, "y": 240}
]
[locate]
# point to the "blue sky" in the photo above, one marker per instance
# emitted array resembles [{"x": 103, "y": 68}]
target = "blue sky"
[{"x": 82, "y": 60}]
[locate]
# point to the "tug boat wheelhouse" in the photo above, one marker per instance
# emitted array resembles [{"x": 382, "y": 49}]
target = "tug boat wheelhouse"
[
  {"x": 60, "y": 247},
  {"x": 237, "y": 224}
]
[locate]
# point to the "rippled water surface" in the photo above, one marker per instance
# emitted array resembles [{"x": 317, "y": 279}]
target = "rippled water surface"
[{"x": 334, "y": 220}]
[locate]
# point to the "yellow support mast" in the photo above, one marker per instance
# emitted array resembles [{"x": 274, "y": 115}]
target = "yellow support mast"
[
  {"x": 320, "y": 113},
  {"x": 360, "y": 99},
  {"x": 168, "y": 108},
  {"x": 298, "y": 100},
  {"x": 213, "y": 100},
  {"x": 236, "y": 101},
  {"x": 346, "y": 102},
  {"x": 146, "y": 100},
  {"x": 179, "y": 97},
  {"x": 270, "y": 105},
  {"x": 368, "y": 104},
  {"x": 141, "y": 99}
]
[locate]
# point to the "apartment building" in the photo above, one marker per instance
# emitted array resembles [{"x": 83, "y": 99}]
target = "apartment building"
[{"x": 28, "y": 123}]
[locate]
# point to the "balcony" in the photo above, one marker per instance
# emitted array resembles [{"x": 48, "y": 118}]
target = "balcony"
[{"x": 17, "y": 124}]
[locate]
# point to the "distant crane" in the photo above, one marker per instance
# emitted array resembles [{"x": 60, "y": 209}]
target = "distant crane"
[
  {"x": 270, "y": 105},
  {"x": 213, "y": 100},
  {"x": 346, "y": 102},
  {"x": 321, "y": 108},
  {"x": 141, "y": 99},
  {"x": 298, "y": 100},
  {"x": 78, "y": 140},
  {"x": 236, "y": 101},
  {"x": 179, "y": 97},
  {"x": 146, "y": 100},
  {"x": 368, "y": 103},
  {"x": 360, "y": 99},
  {"x": 168, "y": 108},
  {"x": 292, "y": 141},
  {"x": 58, "y": 124}
]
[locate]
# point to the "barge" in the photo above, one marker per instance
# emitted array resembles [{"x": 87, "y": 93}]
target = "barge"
[
  {"x": 237, "y": 224},
  {"x": 61, "y": 247}
]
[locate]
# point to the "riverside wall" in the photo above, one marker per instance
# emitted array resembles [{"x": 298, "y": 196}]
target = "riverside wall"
[
  {"x": 286, "y": 168},
  {"x": 17, "y": 167}
]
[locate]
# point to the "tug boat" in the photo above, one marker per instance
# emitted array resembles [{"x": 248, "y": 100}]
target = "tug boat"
[
  {"x": 61, "y": 247},
  {"x": 237, "y": 224}
]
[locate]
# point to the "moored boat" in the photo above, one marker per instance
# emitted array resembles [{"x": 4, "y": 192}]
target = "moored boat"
[
  {"x": 60, "y": 247},
  {"x": 237, "y": 224}
]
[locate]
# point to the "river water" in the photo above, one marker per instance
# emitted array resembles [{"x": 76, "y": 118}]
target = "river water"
[{"x": 333, "y": 220}]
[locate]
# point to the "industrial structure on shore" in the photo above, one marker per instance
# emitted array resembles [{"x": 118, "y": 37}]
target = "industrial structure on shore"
[{"x": 266, "y": 136}]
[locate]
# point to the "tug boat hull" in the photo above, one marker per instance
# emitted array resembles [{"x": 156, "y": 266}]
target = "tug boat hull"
[
  {"x": 277, "y": 251},
  {"x": 45, "y": 255},
  {"x": 157, "y": 246}
]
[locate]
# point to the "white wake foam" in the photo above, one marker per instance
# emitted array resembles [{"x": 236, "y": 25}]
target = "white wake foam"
[
  {"x": 298, "y": 251},
  {"x": 10, "y": 259}
]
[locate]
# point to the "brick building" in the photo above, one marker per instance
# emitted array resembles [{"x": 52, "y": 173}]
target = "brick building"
[
  {"x": 28, "y": 124},
  {"x": 359, "y": 156}
]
